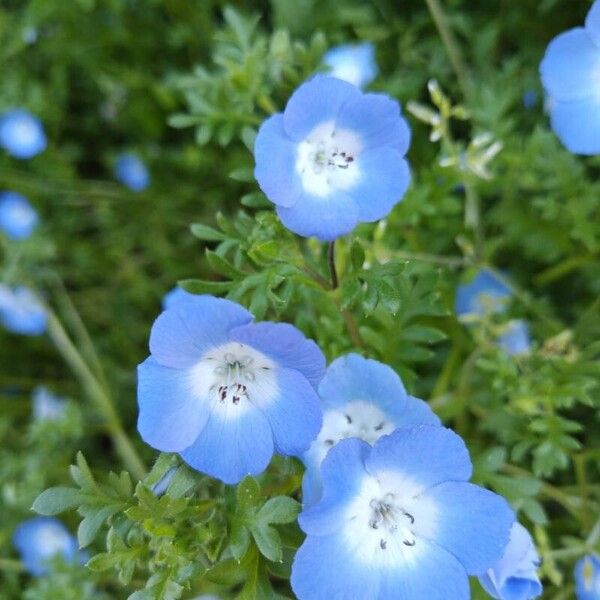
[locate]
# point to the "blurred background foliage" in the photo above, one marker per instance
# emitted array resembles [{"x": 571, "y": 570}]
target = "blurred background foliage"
[{"x": 186, "y": 84}]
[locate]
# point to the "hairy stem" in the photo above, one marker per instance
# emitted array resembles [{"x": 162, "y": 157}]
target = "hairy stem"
[{"x": 331, "y": 263}]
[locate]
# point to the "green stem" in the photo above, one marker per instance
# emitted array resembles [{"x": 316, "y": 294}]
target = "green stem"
[
  {"x": 473, "y": 219},
  {"x": 451, "y": 45},
  {"x": 563, "y": 268},
  {"x": 98, "y": 395},
  {"x": 6, "y": 564},
  {"x": 331, "y": 262}
]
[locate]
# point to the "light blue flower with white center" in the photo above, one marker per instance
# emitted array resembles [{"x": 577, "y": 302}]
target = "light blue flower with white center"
[
  {"x": 225, "y": 392},
  {"x": 361, "y": 398},
  {"x": 132, "y": 172},
  {"x": 484, "y": 294},
  {"x": 514, "y": 576},
  {"x": 47, "y": 406},
  {"x": 21, "y": 134},
  {"x": 39, "y": 540},
  {"x": 354, "y": 63},
  {"x": 174, "y": 296},
  {"x": 515, "y": 339},
  {"x": 18, "y": 219},
  {"x": 21, "y": 311},
  {"x": 399, "y": 520},
  {"x": 587, "y": 578},
  {"x": 334, "y": 158},
  {"x": 570, "y": 73}
]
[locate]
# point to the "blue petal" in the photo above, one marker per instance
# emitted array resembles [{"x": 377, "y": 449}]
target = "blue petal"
[
  {"x": 587, "y": 577},
  {"x": 295, "y": 416},
  {"x": 21, "y": 134},
  {"x": 377, "y": 120},
  {"x": 352, "y": 377},
  {"x": 515, "y": 340},
  {"x": 433, "y": 574},
  {"x": 485, "y": 284},
  {"x": 354, "y": 63},
  {"x": 312, "y": 487},
  {"x": 21, "y": 311},
  {"x": 324, "y": 568},
  {"x": 342, "y": 473},
  {"x": 275, "y": 156},
  {"x": 171, "y": 414},
  {"x": 427, "y": 454},
  {"x": 286, "y": 345},
  {"x": 132, "y": 172},
  {"x": 385, "y": 177},
  {"x": 577, "y": 124},
  {"x": 592, "y": 23},
  {"x": 183, "y": 333},
  {"x": 325, "y": 218},
  {"x": 232, "y": 445},
  {"x": 176, "y": 295},
  {"x": 570, "y": 66},
  {"x": 316, "y": 101},
  {"x": 18, "y": 219},
  {"x": 472, "y": 523}
]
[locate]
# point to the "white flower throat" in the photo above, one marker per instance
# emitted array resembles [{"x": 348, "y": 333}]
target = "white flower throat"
[
  {"x": 326, "y": 160},
  {"x": 237, "y": 376}
]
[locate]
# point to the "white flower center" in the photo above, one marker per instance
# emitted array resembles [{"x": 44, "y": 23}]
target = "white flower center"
[
  {"x": 24, "y": 132},
  {"x": 233, "y": 377},
  {"x": 51, "y": 540},
  {"x": 357, "y": 419},
  {"x": 327, "y": 160},
  {"x": 20, "y": 214},
  {"x": 387, "y": 518}
]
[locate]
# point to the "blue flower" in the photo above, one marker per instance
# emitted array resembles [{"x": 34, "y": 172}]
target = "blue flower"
[
  {"x": 46, "y": 405},
  {"x": 399, "y": 520},
  {"x": 174, "y": 296},
  {"x": 485, "y": 294},
  {"x": 569, "y": 73},
  {"x": 587, "y": 578},
  {"x": 132, "y": 172},
  {"x": 18, "y": 218},
  {"x": 161, "y": 486},
  {"x": 39, "y": 540},
  {"x": 21, "y": 311},
  {"x": 334, "y": 158},
  {"x": 224, "y": 392},
  {"x": 515, "y": 339},
  {"x": 514, "y": 576},
  {"x": 354, "y": 63},
  {"x": 361, "y": 398},
  {"x": 21, "y": 134}
]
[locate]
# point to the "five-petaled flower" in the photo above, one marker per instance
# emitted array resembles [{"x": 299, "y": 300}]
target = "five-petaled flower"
[
  {"x": 569, "y": 73},
  {"x": 361, "y": 398},
  {"x": 18, "y": 218},
  {"x": 514, "y": 576},
  {"x": 21, "y": 134},
  {"x": 21, "y": 311},
  {"x": 399, "y": 520},
  {"x": 224, "y": 392},
  {"x": 587, "y": 578},
  {"x": 40, "y": 540},
  {"x": 354, "y": 63},
  {"x": 334, "y": 158}
]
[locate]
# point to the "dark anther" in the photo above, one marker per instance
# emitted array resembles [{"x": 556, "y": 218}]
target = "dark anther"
[
  {"x": 329, "y": 442},
  {"x": 349, "y": 419},
  {"x": 412, "y": 519},
  {"x": 349, "y": 159},
  {"x": 407, "y": 543},
  {"x": 382, "y": 544},
  {"x": 236, "y": 399},
  {"x": 380, "y": 426}
]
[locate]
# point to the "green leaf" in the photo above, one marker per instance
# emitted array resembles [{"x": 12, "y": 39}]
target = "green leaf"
[
  {"x": 89, "y": 527},
  {"x": 103, "y": 561},
  {"x": 267, "y": 540},
  {"x": 280, "y": 509},
  {"x": 248, "y": 494},
  {"x": 56, "y": 500},
  {"x": 198, "y": 286},
  {"x": 222, "y": 266},
  {"x": 181, "y": 120},
  {"x": 206, "y": 233},
  {"x": 245, "y": 174},
  {"x": 239, "y": 540}
]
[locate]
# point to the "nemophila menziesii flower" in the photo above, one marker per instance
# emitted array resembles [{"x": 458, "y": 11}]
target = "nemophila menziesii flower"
[
  {"x": 131, "y": 171},
  {"x": 174, "y": 296},
  {"x": 515, "y": 338},
  {"x": 333, "y": 158},
  {"x": 21, "y": 311},
  {"x": 569, "y": 73},
  {"x": 354, "y": 63},
  {"x": 225, "y": 392},
  {"x": 41, "y": 539},
  {"x": 587, "y": 578},
  {"x": 361, "y": 398},
  {"x": 514, "y": 576},
  {"x": 399, "y": 520},
  {"x": 21, "y": 134},
  {"x": 18, "y": 218},
  {"x": 46, "y": 405}
]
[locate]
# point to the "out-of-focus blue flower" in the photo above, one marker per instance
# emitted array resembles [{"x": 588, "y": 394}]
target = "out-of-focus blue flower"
[
  {"x": 354, "y": 63},
  {"x": 46, "y": 405},
  {"x": 40, "y": 539},
  {"x": 21, "y": 311},
  {"x": 399, "y": 520},
  {"x": 18, "y": 218},
  {"x": 587, "y": 578},
  {"x": 530, "y": 98},
  {"x": 176, "y": 295},
  {"x": 160, "y": 487},
  {"x": 224, "y": 392},
  {"x": 21, "y": 134},
  {"x": 333, "y": 158},
  {"x": 485, "y": 294},
  {"x": 361, "y": 398},
  {"x": 514, "y": 576},
  {"x": 515, "y": 338},
  {"x": 131, "y": 171},
  {"x": 569, "y": 73}
]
